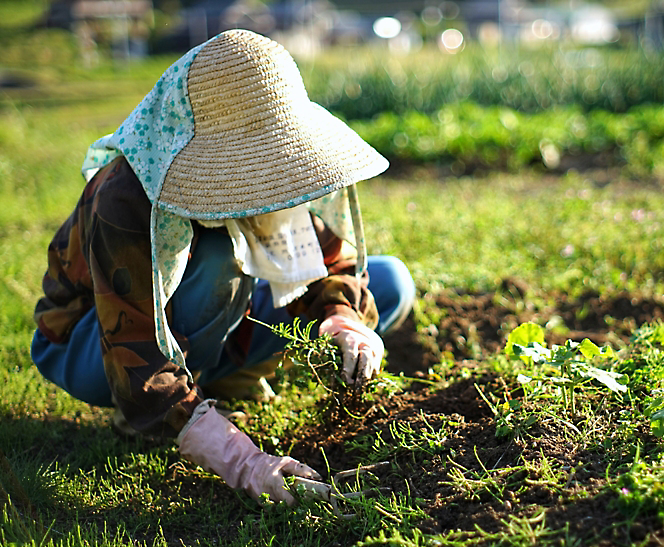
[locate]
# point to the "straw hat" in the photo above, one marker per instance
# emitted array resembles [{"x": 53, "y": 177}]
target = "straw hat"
[{"x": 259, "y": 143}]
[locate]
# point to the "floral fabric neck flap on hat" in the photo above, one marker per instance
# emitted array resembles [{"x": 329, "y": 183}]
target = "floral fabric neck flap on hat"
[
  {"x": 159, "y": 129},
  {"x": 153, "y": 134}
]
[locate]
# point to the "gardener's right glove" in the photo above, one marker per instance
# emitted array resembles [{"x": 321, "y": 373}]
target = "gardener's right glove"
[
  {"x": 219, "y": 447},
  {"x": 361, "y": 348}
]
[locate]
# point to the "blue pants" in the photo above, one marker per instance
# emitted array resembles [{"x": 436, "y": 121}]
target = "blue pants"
[{"x": 77, "y": 365}]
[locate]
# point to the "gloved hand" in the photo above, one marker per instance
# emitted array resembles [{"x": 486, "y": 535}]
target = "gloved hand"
[
  {"x": 362, "y": 349},
  {"x": 219, "y": 447}
]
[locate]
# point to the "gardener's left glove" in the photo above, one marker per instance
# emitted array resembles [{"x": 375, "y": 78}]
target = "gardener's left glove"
[
  {"x": 362, "y": 349},
  {"x": 214, "y": 443}
]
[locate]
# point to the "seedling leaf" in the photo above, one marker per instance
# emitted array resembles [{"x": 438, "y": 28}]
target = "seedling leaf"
[
  {"x": 606, "y": 377},
  {"x": 658, "y": 428},
  {"x": 523, "y": 379},
  {"x": 654, "y": 407},
  {"x": 659, "y": 415},
  {"x": 532, "y": 353},
  {"x": 524, "y": 335},
  {"x": 589, "y": 349}
]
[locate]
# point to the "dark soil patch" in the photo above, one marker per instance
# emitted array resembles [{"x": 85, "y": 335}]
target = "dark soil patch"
[
  {"x": 548, "y": 475},
  {"x": 474, "y": 325}
]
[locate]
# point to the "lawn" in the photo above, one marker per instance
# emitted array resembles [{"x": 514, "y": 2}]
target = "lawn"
[{"x": 484, "y": 447}]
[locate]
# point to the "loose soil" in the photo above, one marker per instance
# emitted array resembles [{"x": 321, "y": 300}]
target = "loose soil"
[{"x": 475, "y": 325}]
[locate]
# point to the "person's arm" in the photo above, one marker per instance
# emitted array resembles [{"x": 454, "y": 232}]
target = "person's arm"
[{"x": 154, "y": 394}]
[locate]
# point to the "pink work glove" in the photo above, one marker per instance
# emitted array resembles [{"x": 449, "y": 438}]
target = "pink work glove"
[
  {"x": 362, "y": 349},
  {"x": 219, "y": 447}
]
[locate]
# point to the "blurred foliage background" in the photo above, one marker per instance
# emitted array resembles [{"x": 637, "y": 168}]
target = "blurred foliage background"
[{"x": 553, "y": 103}]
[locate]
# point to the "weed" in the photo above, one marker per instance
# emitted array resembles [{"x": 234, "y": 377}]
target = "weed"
[
  {"x": 402, "y": 439},
  {"x": 641, "y": 489},
  {"x": 317, "y": 359},
  {"x": 317, "y": 363},
  {"x": 510, "y": 421}
]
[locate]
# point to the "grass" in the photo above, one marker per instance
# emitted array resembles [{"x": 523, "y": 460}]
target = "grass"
[
  {"x": 67, "y": 480},
  {"x": 555, "y": 233}
]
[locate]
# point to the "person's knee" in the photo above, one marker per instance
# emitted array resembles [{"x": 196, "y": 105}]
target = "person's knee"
[
  {"x": 402, "y": 282},
  {"x": 394, "y": 290}
]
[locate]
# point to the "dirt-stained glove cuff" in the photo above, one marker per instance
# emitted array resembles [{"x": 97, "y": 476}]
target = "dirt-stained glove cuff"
[{"x": 198, "y": 413}]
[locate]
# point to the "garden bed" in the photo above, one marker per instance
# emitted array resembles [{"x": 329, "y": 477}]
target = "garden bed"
[{"x": 548, "y": 479}]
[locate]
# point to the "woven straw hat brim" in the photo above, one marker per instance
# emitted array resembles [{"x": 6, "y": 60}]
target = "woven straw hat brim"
[
  {"x": 229, "y": 175},
  {"x": 259, "y": 143}
]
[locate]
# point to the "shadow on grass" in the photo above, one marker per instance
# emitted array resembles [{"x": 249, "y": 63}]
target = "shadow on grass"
[{"x": 65, "y": 475}]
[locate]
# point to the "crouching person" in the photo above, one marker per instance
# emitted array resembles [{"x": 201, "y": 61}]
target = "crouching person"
[{"x": 225, "y": 194}]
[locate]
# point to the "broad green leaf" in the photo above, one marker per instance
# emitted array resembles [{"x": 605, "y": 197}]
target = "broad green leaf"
[
  {"x": 523, "y": 379},
  {"x": 532, "y": 353},
  {"x": 659, "y": 415},
  {"x": 654, "y": 406},
  {"x": 606, "y": 377},
  {"x": 523, "y": 335},
  {"x": 607, "y": 351},
  {"x": 657, "y": 427},
  {"x": 589, "y": 349},
  {"x": 559, "y": 380},
  {"x": 538, "y": 352}
]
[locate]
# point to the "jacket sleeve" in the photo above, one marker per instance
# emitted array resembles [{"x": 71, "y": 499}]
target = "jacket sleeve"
[
  {"x": 341, "y": 292},
  {"x": 154, "y": 394}
]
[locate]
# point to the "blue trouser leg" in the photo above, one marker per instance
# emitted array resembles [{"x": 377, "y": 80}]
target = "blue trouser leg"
[
  {"x": 75, "y": 366},
  {"x": 393, "y": 289}
]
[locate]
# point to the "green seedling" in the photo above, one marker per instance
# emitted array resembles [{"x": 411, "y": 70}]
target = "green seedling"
[
  {"x": 316, "y": 359},
  {"x": 314, "y": 362},
  {"x": 575, "y": 361}
]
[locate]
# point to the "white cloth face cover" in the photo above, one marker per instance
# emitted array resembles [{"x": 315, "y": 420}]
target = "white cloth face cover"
[{"x": 280, "y": 247}]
